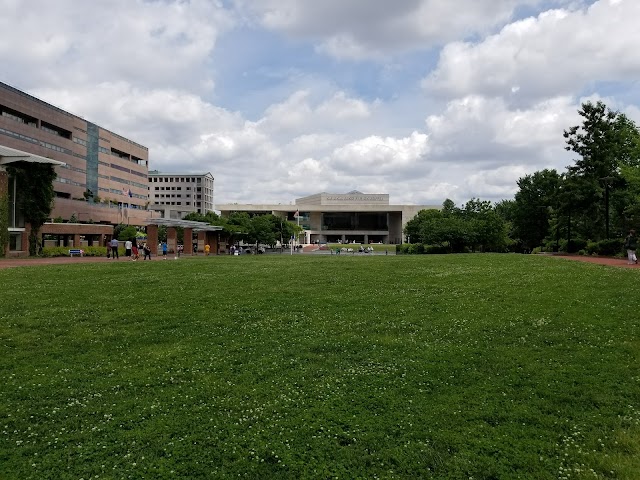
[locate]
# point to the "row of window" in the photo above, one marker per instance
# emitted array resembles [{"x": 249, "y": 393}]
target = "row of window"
[
  {"x": 173, "y": 195},
  {"x": 179, "y": 203},
  {"x": 35, "y": 141},
  {"x": 73, "y": 169},
  {"x": 197, "y": 189},
  {"x": 176, "y": 179},
  {"x": 25, "y": 119}
]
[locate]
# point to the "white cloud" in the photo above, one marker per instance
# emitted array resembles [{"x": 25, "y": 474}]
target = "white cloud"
[
  {"x": 485, "y": 130},
  {"x": 377, "y": 156},
  {"x": 149, "y": 43},
  {"x": 558, "y": 52},
  {"x": 360, "y": 29},
  {"x": 494, "y": 109}
]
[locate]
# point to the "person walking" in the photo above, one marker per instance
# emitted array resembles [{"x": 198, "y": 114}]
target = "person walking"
[
  {"x": 631, "y": 244},
  {"x": 164, "y": 250},
  {"x": 114, "y": 248},
  {"x": 147, "y": 252},
  {"x": 127, "y": 248}
]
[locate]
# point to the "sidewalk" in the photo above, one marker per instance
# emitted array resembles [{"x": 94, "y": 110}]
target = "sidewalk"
[{"x": 609, "y": 261}]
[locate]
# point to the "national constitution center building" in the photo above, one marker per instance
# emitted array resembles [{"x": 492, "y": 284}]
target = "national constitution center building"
[{"x": 336, "y": 217}]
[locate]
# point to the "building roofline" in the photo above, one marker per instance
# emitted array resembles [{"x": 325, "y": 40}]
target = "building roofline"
[{"x": 64, "y": 112}]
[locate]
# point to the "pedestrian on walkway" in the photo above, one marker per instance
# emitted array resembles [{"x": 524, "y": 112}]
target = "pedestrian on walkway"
[
  {"x": 114, "y": 249},
  {"x": 631, "y": 244}
]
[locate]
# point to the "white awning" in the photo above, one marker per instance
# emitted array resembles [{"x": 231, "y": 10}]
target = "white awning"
[
  {"x": 175, "y": 222},
  {"x": 12, "y": 155}
]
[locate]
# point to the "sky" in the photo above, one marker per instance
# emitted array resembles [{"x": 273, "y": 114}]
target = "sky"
[{"x": 425, "y": 100}]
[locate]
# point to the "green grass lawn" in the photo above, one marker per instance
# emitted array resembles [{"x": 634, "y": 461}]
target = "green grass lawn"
[{"x": 269, "y": 366}]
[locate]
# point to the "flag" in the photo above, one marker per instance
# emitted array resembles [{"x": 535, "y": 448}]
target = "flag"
[
  {"x": 297, "y": 214},
  {"x": 125, "y": 192}
]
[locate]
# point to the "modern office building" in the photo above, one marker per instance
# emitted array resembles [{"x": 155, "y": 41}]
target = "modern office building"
[
  {"x": 104, "y": 176},
  {"x": 351, "y": 217},
  {"x": 174, "y": 195}
]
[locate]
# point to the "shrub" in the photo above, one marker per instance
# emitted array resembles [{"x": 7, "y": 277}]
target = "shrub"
[
  {"x": 416, "y": 248},
  {"x": 611, "y": 246},
  {"x": 64, "y": 251},
  {"x": 436, "y": 249},
  {"x": 402, "y": 249}
]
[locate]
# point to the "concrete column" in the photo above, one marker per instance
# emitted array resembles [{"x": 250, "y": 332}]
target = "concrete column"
[
  {"x": 211, "y": 238},
  {"x": 172, "y": 240},
  {"x": 76, "y": 241},
  {"x": 366, "y": 239},
  {"x": 188, "y": 241},
  {"x": 4, "y": 194},
  {"x": 25, "y": 238},
  {"x": 152, "y": 238},
  {"x": 201, "y": 241}
]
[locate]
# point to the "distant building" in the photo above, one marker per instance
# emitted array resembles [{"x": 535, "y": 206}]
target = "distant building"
[
  {"x": 334, "y": 217},
  {"x": 175, "y": 195}
]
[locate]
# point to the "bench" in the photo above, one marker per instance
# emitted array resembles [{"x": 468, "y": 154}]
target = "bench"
[{"x": 75, "y": 251}]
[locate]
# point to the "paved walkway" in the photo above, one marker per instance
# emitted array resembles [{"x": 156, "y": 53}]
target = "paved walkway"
[
  {"x": 24, "y": 262},
  {"x": 613, "y": 262}
]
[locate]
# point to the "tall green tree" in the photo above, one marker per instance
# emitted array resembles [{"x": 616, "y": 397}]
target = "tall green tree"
[
  {"x": 605, "y": 141},
  {"x": 534, "y": 205},
  {"x": 34, "y": 181}
]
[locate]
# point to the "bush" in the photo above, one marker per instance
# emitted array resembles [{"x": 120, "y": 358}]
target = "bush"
[
  {"x": 576, "y": 245},
  {"x": 402, "y": 249},
  {"x": 416, "y": 249},
  {"x": 64, "y": 251},
  {"x": 436, "y": 249},
  {"x": 612, "y": 246}
]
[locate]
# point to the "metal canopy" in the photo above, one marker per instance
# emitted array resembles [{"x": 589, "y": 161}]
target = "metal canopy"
[
  {"x": 174, "y": 222},
  {"x": 12, "y": 155}
]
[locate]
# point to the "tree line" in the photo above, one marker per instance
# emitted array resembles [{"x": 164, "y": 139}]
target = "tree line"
[
  {"x": 265, "y": 229},
  {"x": 589, "y": 207}
]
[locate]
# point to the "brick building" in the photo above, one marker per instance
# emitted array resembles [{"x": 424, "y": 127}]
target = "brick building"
[{"x": 103, "y": 175}]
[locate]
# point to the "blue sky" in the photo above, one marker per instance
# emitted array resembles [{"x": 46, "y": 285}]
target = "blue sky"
[{"x": 278, "y": 99}]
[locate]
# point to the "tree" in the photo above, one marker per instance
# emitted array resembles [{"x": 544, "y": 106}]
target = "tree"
[
  {"x": 262, "y": 230},
  {"x": 34, "y": 181},
  {"x": 127, "y": 233},
  {"x": 475, "y": 225},
  {"x": 605, "y": 141},
  {"x": 534, "y": 205}
]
